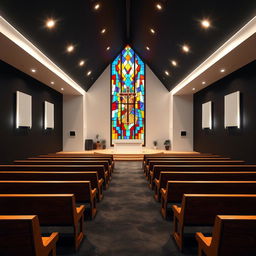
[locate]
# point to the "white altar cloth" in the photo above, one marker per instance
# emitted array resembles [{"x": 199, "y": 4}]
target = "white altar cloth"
[{"x": 134, "y": 146}]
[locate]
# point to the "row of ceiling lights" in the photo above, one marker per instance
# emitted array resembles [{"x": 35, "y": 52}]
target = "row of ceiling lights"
[
  {"x": 204, "y": 23},
  {"x": 51, "y": 23}
]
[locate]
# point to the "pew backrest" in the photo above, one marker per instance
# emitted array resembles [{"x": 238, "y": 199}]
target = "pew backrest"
[{"x": 81, "y": 189}]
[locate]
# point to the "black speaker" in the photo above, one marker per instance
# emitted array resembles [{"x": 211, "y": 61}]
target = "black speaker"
[
  {"x": 88, "y": 144},
  {"x": 183, "y": 133}
]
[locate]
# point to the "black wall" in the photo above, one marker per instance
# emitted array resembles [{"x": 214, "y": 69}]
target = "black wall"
[
  {"x": 24, "y": 142},
  {"x": 233, "y": 142}
]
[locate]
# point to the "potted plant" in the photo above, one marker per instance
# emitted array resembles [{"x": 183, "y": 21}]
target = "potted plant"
[
  {"x": 155, "y": 144},
  {"x": 167, "y": 144},
  {"x": 103, "y": 144},
  {"x": 98, "y": 146}
]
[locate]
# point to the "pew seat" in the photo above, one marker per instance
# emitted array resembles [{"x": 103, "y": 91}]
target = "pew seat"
[
  {"x": 175, "y": 190},
  {"x": 201, "y": 210},
  {"x": 96, "y": 183},
  {"x": 100, "y": 169},
  {"x": 51, "y": 209},
  {"x": 232, "y": 236},
  {"x": 166, "y": 176},
  {"x": 151, "y": 173},
  {"x": 21, "y": 235},
  {"x": 81, "y": 189}
]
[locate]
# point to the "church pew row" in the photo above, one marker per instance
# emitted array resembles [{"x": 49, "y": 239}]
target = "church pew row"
[
  {"x": 156, "y": 156},
  {"x": 52, "y": 210},
  {"x": 194, "y": 161},
  {"x": 201, "y": 210},
  {"x": 21, "y": 235},
  {"x": 84, "y": 156},
  {"x": 81, "y": 190},
  {"x": 100, "y": 169},
  {"x": 232, "y": 235},
  {"x": 175, "y": 189},
  {"x": 201, "y": 168},
  {"x": 96, "y": 183},
  {"x": 69, "y": 162},
  {"x": 207, "y": 176},
  {"x": 148, "y": 160},
  {"x": 110, "y": 162},
  {"x": 151, "y": 172}
]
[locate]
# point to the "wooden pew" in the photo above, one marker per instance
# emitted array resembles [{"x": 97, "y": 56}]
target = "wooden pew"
[
  {"x": 96, "y": 183},
  {"x": 201, "y": 210},
  {"x": 69, "y": 162},
  {"x": 232, "y": 236},
  {"x": 21, "y": 235},
  {"x": 100, "y": 169},
  {"x": 81, "y": 189},
  {"x": 202, "y": 168},
  {"x": 175, "y": 190},
  {"x": 51, "y": 158},
  {"x": 167, "y": 158},
  {"x": 52, "y": 210},
  {"x": 161, "y": 155},
  {"x": 166, "y": 176},
  {"x": 152, "y": 176}
]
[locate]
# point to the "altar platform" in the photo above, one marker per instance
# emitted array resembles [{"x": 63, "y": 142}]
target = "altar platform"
[{"x": 129, "y": 155}]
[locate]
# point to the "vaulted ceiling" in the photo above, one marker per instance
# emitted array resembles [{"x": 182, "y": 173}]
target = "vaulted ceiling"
[{"x": 156, "y": 34}]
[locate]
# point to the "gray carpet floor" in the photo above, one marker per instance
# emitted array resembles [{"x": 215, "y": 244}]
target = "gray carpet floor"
[{"x": 128, "y": 222}]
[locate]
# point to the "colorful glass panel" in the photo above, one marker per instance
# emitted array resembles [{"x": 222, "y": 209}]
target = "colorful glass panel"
[{"x": 128, "y": 93}]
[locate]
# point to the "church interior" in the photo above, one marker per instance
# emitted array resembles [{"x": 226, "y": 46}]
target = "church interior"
[{"x": 128, "y": 128}]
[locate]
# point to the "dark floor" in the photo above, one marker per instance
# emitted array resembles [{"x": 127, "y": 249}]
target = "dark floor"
[{"x": 129, "y": 222}]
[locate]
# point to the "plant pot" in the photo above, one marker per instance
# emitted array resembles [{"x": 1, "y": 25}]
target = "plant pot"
[
  {"x": 98, "y": 145},
  {"x": 167, "y": 147}
]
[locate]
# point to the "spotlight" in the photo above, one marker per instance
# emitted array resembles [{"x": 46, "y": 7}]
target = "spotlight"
[
  {"x": 186, "y": 48},
  {"x": 50, "y": 23}
]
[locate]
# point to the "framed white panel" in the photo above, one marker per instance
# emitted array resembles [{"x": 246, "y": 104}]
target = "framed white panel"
[
  {"x": 23, "y": 110},
  {"x": 207, "y": 115},
  {"x": 48, "y": 115},
  {"x": 232, "y": 110}
]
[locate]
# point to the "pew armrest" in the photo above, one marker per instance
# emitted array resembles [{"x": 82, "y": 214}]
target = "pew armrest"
[
  {"x": 164, "y": 193},
  {"x": 203, "y": 241},
  {"x": 50, "y": 241},
  {"x": 80, "y": 210},
  {"x": 176, "y": 210}
]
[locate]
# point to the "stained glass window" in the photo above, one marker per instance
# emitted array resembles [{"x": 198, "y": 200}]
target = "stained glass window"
[{"x": 128, "y": 94}]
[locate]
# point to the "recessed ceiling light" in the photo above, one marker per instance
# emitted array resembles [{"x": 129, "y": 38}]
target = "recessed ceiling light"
[
  {"x": 96, "y": 6},
  {"x": 33, "y": 70},
  {"x": 174, "y": 63},
  {"x": 89, "y": 72},
  {"x": 52, "y": 83},
  {"x": 81, "y": 63},
  {"x": 103, "y": 31},
  {"x": 108, "y": 48},
  {"x": 147, "y": 48},
  {"x": 222, "y": 70},
  {"x": 70, "y": 48},
  {"x": 193, "y": 89},
  {"x": 185, "y": 48},
  {"x": 166, "y": 72},
  {"x": 152, "y": 31},
  {"x": 50, "y": 23},
  {"x": 159, "y": 6},
  {"x": 62, "y": 89},
  {"x": 205, "y": 23},
  {"x": 203, "y": 82}
]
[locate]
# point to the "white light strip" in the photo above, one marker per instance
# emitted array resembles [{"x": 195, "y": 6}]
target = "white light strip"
[
  {"x": 244, "y": 33},
  {"x": 15, "y": 36}
]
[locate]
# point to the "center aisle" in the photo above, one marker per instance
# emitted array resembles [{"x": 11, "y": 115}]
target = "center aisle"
[{"x": 128, "y": 222}]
